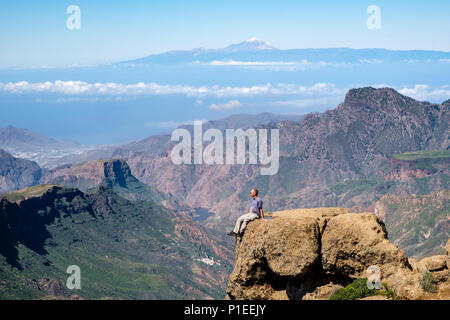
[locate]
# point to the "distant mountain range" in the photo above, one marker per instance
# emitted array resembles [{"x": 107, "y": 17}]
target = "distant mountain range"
[
  {"x": 27, "y": 144},
  {"x": 255, "y": 50},
  {"x": 27, "y": 150},
  {"x": 24, "y": 140},
  {"x": 157, "y": 144}
]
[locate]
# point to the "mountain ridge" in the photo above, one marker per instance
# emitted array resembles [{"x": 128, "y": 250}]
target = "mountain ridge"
[{"x": 264, "y": 50}]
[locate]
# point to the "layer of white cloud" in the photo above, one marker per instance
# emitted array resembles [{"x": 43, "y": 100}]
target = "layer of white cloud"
[
  {"x": 88, "y": 99},
  {"x": 370, "y": 61},
  {"x": 425, "y": 92},
  {"x": 226, "y": 106},
  {"x": 75, "y": 88},
  {"x": 73, "y": 91}
]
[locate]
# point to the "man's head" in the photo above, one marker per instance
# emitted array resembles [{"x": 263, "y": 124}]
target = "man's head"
[{"x": 254, "y": 192}]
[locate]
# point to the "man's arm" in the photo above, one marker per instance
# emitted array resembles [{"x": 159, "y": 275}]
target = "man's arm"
[{"x": 262, "y": 213}]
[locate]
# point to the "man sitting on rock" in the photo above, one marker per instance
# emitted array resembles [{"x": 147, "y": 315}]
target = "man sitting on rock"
[{"x": 255, "y": 212}]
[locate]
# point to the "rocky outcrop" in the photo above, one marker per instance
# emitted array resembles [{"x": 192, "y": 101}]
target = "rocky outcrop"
[
  {"x": 110, "y": 173},
  {"x": 422, "y": 168},
  {"x": 91, "y": 174},
  {"x": 310, "y": 253}
]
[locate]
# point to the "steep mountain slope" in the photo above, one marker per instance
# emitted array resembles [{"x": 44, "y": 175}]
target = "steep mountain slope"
[
  {"x": 346, "y": 145},
  {"x": 417, "y": 223},
  {"x": 124, "y": 249},
  {"x": 16, "y": 173}
]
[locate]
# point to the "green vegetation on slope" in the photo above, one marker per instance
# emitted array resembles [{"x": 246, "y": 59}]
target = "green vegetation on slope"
[
  {"x": 423, "y": 154},
  {"x": 124, "y": 249},
  {"x": 34, "y": 191},
  {"x": 428, "y": 283}
]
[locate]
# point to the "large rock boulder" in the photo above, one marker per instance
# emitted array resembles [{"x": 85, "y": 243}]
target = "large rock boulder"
[
  {"x": 262, "y": 261},
  {"x": 437, "y": 265},
  {"x": 434, "y": 263},
  {"x": 351, "y": 243},
  {"x": 310, "y": 253},
  {"x": 261, "y": 255}
]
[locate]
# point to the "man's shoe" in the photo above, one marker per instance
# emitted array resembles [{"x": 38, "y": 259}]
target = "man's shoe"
[{"x": 232, "y": 233}]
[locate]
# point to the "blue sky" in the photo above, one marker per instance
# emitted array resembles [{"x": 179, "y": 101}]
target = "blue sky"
[
  {"x": 84, "y": 103},
  {"x": 34, "y": 33}
]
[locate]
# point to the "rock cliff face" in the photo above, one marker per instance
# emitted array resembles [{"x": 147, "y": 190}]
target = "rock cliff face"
[
  {"x": 310, "y": 253},
  {"x": 111, "y": 173},
  {"x": 91, "y": 174}
]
